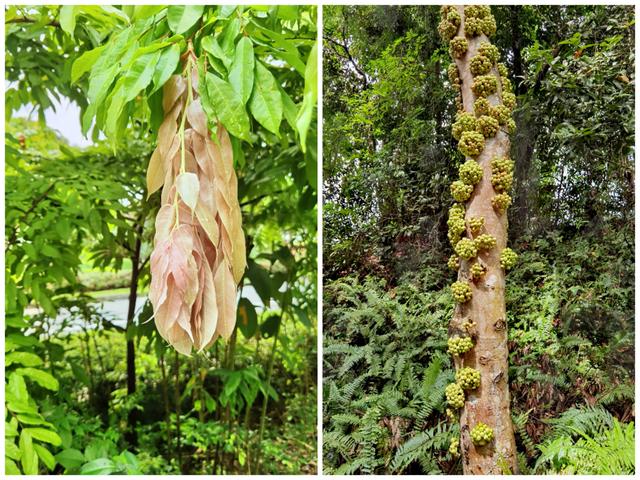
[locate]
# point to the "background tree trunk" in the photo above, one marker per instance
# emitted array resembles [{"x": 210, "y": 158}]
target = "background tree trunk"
[{"x": 490, "y": 403}]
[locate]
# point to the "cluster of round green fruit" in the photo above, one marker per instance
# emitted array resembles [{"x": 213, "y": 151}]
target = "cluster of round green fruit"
[
  {"x": 461, "y": 291},
  {"x": 481, "y": 434},
  {"x": 501, "y": 113},
  {"x": 484, "y": 85},
  {"x": 475, "y": 224},
  {"x": 460, "y": 191},
  {"x": 453, "y": 447},
  {"x": 501, "y": 202},
  {"x": 506, "y": 85},
  {"x": 488, "y": 126},
  {"x": 453, "y": 74},
  {"x": 482, "y": 107},
  {"x": 456, "y": 227},
  {"x": 502, "y": 68},
  {"x": 465, "y": 122},
  {"x": 470, "y": 172},
  {"x": 468, "y": 378},
  {"x": 471, "y": 144},
  {"x": 508, "y": 258},
  {"x": 451, "y": 415},
  {"x": 509, "y": 100},
  {"x": 450, "y": 22},
  {"x": 469, "y": 325},
  {"x": 501, "y": 174},
  {"x": 479, "y": 65},
  {"x": 454, "y": 262},
  {"x": 477, "y": 271},
  {"x": 458, "y": 46},
  {"x": 485, "y": 241},
  {"x": 478, "y": 20},
  {"x": 487, "y": 49},
  {"x": 459, "y": 345},
  {"x": 455, "y": 395},
  {"x": 466, "y": 248}
]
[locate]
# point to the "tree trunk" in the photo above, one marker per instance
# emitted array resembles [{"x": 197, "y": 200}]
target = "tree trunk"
[
  {"x": 489, "y": 403},
  {"x": 131, "y": 352}
]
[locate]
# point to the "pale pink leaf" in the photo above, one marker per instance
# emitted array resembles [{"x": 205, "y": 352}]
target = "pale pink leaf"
[
  {"x": 226, "y": 300},
  {"x": 188, "y": 188}
]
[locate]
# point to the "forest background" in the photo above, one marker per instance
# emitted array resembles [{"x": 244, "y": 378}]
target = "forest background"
[{"x": 389, "y": 158}]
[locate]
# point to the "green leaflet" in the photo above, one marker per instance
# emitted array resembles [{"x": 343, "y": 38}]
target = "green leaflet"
[
  {"x": 211, "y": 46},
  {"x": 26, "y": 359},
  {"x": 127, "y": 88},
  {"x": 11, "y": 450},
  {"x": 42, "y": 378},
  {"x": 44, "y": 435},
  {"x": 165, "y": 67},
  {"x": 266, "y": 100},
  {"x": 182, "y": 17},
  {"x": 29, "y": 457},
  {"x": 290, "y": 110},
  {"x": 229, "y": 34},
  {"x": 10, "y": 467},
  {"x": 70, "y": 458},
  {"x": 68, "y": 19},
  {"x": 241, "y": 72},
  {"x": 46, "y": 456},
  {"x": 99, "y": 466},
  {"x": 310, "y": 96},
  {"x": 228, "y": 107}
]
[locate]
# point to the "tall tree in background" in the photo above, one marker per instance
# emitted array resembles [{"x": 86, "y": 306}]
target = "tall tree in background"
[{"x": 478, "y": 233}]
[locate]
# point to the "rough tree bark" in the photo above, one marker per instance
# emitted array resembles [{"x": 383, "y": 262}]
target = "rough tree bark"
[{"x": 489, "y": 403}]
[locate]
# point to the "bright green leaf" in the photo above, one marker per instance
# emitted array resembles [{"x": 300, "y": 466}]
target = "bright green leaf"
[
  {"x": 10, "y": 467},
  {"x": 266, "y": 100},
  {"x": 26, "y": 359},
  {"x": 228, "y": 106},
  {"x": 44, "y": 435},
  {"x": 166, "y": 66},
  {"x": 28, "y": 456},
  {"x": 99, "y": 466},
  {"x": 42, "y": 378},
  {"x": 310, "y": 96},
  {"x": 70, "y": 458},
  {"x": 182, "y": 17},
  {"x": 46, "y": 456},
  {"x": 241, "y": 72},
  {"x": 68, "y": 18},
  {"x": 11, "y": 450}
]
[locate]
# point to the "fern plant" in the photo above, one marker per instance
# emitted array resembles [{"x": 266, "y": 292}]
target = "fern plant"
[{"x": 383, "y": 410}]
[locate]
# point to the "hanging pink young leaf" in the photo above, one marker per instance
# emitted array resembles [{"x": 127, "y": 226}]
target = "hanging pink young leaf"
[{"x": 188, "y": 187}]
